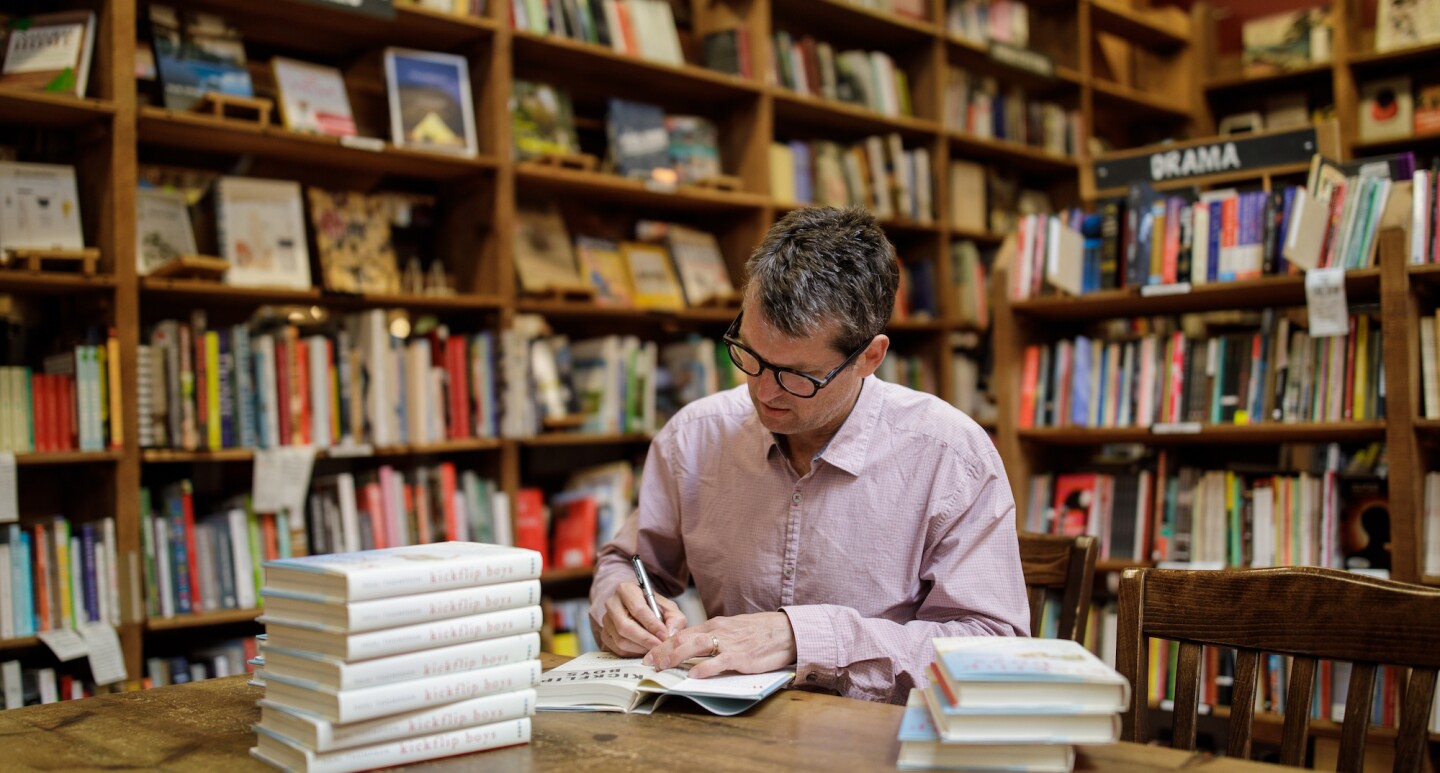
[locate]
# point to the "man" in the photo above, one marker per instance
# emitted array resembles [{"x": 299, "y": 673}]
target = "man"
[{"x": 828, "y": 518}]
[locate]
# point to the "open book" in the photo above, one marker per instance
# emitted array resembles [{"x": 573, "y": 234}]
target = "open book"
[{"x": 601, "y": 681}]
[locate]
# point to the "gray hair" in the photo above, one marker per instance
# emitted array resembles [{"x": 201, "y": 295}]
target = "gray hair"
[{"x": 819, "y": 264}]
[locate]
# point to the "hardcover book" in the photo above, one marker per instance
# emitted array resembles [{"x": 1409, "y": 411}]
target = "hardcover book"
[
  {"x": 1019, "y": 726},
  {"x": 162, "y": 228},
  {"x": 639, "y": 143},
  {"x": 542, "y": 120},
  {"x": 285, "y": 754},
  {"x": 197, "y": 53},
  {"x": 921, "y": 748},
  {"x": 39, "y": 207},
  {"x": 430, "y": 103},
  {"x": 399, "y": 571},
  {"x": 49, "y": 52},
  {"x": 308, "y": 609},
  {"x": 694, "y": 147},
  {"x": 702, "y": 269},
  {"x": 602, "y": 681},
  {"x": 991, "y": 673},
  {"x": 1285, "y": 41},
  {"x": 408, "y": 638},
  {"x": 322, "y": 735},
  {"x": 312, "y": 99},
  {"x": 543, "y": 260},
  {"x": 345, "y": 706},
  {"x": 336, "y": 674},
  {"x": 1386, "y": 109},
  {"x": 653, "y": 276},
  {"x": 260, "y": 227},
  {"x": 603, "y": 267},
  {"x": 352, "y": 236},
  {"x": 1405, "y": 23}
]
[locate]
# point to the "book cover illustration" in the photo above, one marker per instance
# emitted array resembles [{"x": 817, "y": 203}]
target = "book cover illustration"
[
  {"x": 39, "y": 207},
  {"x": 430, "y": 107},
  {"x": 261, "y": 231},
  {"x": 1365, "y": 524},
  {"x": 543, "y": 120},
  {"x": 542, "y": 250},
  {"x": 1427, "y": 109},
  {"x": 163, "y": 231},
  {"x": 49, "y": 52},
  {"x": 352, "y": 237},
  {"x": 1074, "y": 499},
  {"x": 197, "y": 53},
  {"x": 639, "y": 143},
  {"x": 603, "y": 267},
  {"x": 694, "y": 147},
  {"x": 1403, "y": 23},
  {"x": 991, "y": 659},
  {"x": 653, "y": 276},
  {"x": 1386, "y": 109},
  {"x": 703, "y": 274},
  {"x": 1285, "y": 41},
  {"x": 313, "y": 99}
]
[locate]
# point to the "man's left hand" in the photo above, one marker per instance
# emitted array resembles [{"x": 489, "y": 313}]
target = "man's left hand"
[{"x": 747, "y": 644}]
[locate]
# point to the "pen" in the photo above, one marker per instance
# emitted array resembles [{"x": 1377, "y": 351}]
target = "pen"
[{"x": 644, "y": 581}]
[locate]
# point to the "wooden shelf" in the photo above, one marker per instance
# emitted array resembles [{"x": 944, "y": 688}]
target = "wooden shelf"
[
  {"x": 559, "y": 576},
  {"x": 558, "y": 439},
  {"x": 984, "y": 237},
  {"x": 23, "y": 643},
  {"x": 1425, "y": 274},
  {"x": 1213, "y": 434},
  {"x": 205, "y": 291},
  {"x": 916, "y": 326},
  {"x": 1158, "y": 29},
  {"x": 1427, "y": 428},
  {"x": 1012, "y": 154},
  {"x": 66, "y": 457},
  {"x": 545, "y": 57},
  {"x": 437, "y": 303},
  {"x": 1211, "y": 180},
  {"x": 881, "y": 29},
  {"x": 54, "y": 111},
  {"x": 974, "y": 55},
  {"x": 468, "y": 445},
  {"x": 834, "y": 118},
  {"x": 1397, "y": 145},
  {"x": 1121, "y": 97},
  {"x": 1371, "y": 61},
  {"x": 1361, "y": 285},
  {"x": 201, "y": 619},
  {"x": 53, "y": 282},
  {"x": 619, "y": 191},
  {"x": 894, "y": 226},
  {"x": 207, "y": 134},
  {"x": 1315, "y": 74},
  {"x": 336, "y": 32},
  {"x": 177, "y": 456}
]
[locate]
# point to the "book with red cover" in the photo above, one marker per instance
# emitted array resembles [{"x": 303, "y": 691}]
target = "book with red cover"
[
  {"x": 530, "y": 521},
  {"x": 1074, "y": 499},
  {"x": 574, "y": 543}
]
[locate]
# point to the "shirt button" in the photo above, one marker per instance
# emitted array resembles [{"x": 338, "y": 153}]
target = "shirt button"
[
  {"x": 789, "y": 570},
  {"x": 795, "y": 497},
  {"x": 811, "y": 678}
]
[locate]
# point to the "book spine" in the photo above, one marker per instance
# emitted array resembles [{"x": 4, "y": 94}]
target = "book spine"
[
  {"x": 486, "y": 653},
  {"x": 406, "y": 579},
  {"x": 405, "y": 610},
  {"x": 452, "y": 631},
  {"x": 484, "y": 710},
  {"x": 356, "y": 705},
  {"x": 466, "y": 741}
]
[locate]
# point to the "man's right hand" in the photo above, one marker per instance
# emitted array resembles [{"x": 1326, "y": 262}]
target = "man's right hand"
[{"x": 629, "y": 629}]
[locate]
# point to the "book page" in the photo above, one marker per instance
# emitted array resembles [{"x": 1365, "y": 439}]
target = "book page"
[{"x": 604, "y": 666}]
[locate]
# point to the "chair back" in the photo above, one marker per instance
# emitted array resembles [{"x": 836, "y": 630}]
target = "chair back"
[
  {"x": 1052, "y": 562},
  {"x": 1308, "y": 613}
]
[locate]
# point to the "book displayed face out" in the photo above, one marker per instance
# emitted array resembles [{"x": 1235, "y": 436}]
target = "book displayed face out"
[{"x": 430, "y": 103}]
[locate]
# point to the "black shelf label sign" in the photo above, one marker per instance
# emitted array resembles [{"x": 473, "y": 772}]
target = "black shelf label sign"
[
  {"x": 384, "y": 9},
  {"x": 1230, "y": 154}
]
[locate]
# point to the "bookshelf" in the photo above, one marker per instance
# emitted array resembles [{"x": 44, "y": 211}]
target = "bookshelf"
[{"x": 1104, "y": 54}]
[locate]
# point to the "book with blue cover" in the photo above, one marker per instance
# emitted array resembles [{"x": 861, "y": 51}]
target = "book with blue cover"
[{"x": 922, "y": 749}]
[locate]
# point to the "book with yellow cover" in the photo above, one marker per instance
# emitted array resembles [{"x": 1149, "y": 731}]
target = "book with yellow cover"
[{"x": 653, "y": 275}]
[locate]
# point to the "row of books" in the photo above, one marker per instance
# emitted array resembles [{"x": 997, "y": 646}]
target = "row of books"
[
  {"x": 667, "y": 266},
  {"x": 350, "y": 383},
  {"x": 878, "y": 173},
  {"x": 71, "y": 406},
  {"x": 869, "y": 79},
  {"x": 643, "y": 28},
  {"x": 977, "y": 105},
  {"x": 394, "y": 656},
  {"x": 24, "y": 686},
  {"x": 972, "y": 394},
  {"x": 916, "y": 298},
  {"x": 1424, "y": 226},
  {"x": 55, "y": 574},
  {"x": 211, "y": 561},
  {"x": 224, "y": 658},
  {"x": 1276, "y": 372},
  {"x": 983, "y": 21},
  {"x": 570, "y": 529},
  {"x": 608, "y": 384},
  {"x": 915, "y": 371},
  {"x": 389, "y": 507}
]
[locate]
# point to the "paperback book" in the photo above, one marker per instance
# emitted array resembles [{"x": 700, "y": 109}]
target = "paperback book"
[
  {"x": 39, "y": 207},
  {"x": 49, "y": 52},
  {"x": 322, "y": 735},
  {"x": 430, "y": 103},
  {"x": 337, "y": 674},
  {"x": 999, "y": 673},
  {"x": 309, "y": 609},
  {"x": 400, "y": 571},
  {"x": 196, "y": 53},
  {"x": 603, "y": 681},
  {"x": 352, "y": 237},
  {"x": 312, "y": 99},
  {"x": 260, "y": 227},
  {"x": 276, "y": 750},
  {"x": 162, "y": 228},
  {"x": 542, "y": 120},
  {"x": 922, "y": 749},
  {"x": 346, "y": 706}
]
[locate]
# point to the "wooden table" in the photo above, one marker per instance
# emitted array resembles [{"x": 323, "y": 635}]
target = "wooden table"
[{"x": 205, "y": 726}]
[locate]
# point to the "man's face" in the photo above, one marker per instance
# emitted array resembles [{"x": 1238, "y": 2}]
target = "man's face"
[{"x": 784, "y": 413}]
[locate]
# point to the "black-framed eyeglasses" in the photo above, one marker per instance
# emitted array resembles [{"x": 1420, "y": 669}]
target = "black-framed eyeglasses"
[{"x": 792, "y": 381}]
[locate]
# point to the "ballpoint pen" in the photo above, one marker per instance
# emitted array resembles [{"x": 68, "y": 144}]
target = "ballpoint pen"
[{"x": 643, "y": 580}]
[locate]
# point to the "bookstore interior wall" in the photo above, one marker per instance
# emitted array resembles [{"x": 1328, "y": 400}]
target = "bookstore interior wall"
[{"x": 475, "y": 253}]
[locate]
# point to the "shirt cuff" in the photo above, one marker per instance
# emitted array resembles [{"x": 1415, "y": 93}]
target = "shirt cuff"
[{"x": 817, "y": 648}]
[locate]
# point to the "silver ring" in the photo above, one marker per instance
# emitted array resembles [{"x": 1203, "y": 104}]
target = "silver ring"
[{"x": 714, "y": 646}]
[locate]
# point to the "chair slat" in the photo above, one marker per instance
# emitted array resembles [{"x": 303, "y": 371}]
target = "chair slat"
[
  {"x": 1242, "y": 702},
  {"x": 1411, "y": 740},
  {"x": 1187, "y": 694},
  {"x": 1132, "y": 657},
  {"x": 1357, "y": 718},
  {"x": 1297, "y": 711}
]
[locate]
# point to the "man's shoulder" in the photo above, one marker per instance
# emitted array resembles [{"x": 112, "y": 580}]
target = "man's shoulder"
[
  {"x": 730, "y": 407},
  {"x": 922, "y": 414}
]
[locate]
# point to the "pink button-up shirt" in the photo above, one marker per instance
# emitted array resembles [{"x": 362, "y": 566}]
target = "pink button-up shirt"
[{"x": 903, "y": 530}]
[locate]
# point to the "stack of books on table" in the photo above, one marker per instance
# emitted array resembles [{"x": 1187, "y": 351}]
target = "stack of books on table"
[
  {"x": 1015, "y": 704},
  {"x": 393, "y": 656}
]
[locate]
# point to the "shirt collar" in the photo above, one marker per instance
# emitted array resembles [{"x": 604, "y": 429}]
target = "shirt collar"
[{"x": 847, "y": 448}]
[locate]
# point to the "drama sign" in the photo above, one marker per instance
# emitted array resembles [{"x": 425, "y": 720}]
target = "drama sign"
[
  {"x": 1228, "y": 155},
  {"x": 384, "y": 9}
]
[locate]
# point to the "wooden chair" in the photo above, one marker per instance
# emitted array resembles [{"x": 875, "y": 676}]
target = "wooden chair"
[
  {"x": 1307, "y": 613},
  {"x": 1064, "y": 564}
]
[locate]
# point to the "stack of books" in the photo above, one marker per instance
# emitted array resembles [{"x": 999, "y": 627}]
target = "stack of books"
[
  {"x": 1000, "y": 703},
  {"x": 393, "y": 656}
]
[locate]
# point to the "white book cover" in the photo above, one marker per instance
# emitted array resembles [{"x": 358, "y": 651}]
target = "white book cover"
[
  {"x": 39, "y": 207},
  {"x": 320, "y": 735},
  {"x": 922, "y": 749},
  {"x": 310, "y": 610},
  {"x": 7, "y": 595},
  {"x": 239, "y": 525},
  {"x": 162, "y": 228},
  {"x": 285, "y": 755},
  {"x": 261, "y": 225},
  {"x": 399, "y": 571},
  {"x": 349, "y": 512},
  {"x": 345, "y": 706},
  {"x": 410, "y": 638},
  {"x": 14, "y": 687},
  {"x": 313, "y": 99},
  {"x": 336, "y": 674},
  {"x": 162, "y": 565},
  {"x": 318, "y": 348},
  {"x": 993, "y": 727},
  {"x": 1420, "y": 217}
]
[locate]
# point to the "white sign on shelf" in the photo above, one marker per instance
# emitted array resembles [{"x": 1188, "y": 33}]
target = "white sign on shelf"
[
  {"x": 65, "y": 643},
  {"x": 107, "y": 660},
  {"x": 1325, "y": 302},
  {"x": 282, "y": 478}
]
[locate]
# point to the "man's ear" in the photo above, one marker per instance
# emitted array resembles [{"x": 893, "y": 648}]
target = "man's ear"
[{"x": 873, "y": 355}]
